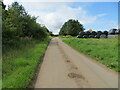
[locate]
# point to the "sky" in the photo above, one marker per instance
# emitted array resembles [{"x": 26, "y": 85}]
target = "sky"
[{"x": 93, "y": 15}]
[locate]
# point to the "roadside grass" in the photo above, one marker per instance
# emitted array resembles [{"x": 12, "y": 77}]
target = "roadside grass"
[
  {"x": 103, "y": 50},
  {"x": 20, "y": 64}
]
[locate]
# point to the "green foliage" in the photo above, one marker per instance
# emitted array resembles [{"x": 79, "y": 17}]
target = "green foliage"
[
  {"x": 102, "y": 50},
  {"x": 71, "y": 27},
  {"x": 20, "y": 63},
  {"x": 51, "y": 34},
  {"x": 18, "y": 23},
  {"x": 23, "y": 44}
]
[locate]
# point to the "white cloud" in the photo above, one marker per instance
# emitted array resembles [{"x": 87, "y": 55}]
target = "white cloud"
[
  {"x": 53, "y": 15},
  {"x": 55, "y": 19},
  {"x": 8, "y": 2},
  {"x": 101, "y": 15}
]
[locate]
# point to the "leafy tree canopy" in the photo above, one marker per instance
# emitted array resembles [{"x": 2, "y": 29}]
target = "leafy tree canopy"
[
  {"x": 17, "y": 23},
  {"x": 71, "y": 27}
]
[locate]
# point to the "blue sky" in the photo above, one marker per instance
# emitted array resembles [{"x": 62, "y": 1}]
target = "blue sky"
[
  {"x": 93, "y": 15},
  {"x": 109, "y": 9}
]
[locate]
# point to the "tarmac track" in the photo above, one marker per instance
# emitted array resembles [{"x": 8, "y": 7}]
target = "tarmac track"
[{"x": 64, "y": 67}]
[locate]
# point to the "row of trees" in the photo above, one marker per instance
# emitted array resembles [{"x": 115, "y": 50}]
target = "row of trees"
[
  {"x": 71, "y": 27},
  {"x": 17, "y": 23}
]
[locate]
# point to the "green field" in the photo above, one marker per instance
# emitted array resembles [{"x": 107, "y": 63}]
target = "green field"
[
  {"x": 20, "y": 64},
  {"x": 103, "y": 50}
]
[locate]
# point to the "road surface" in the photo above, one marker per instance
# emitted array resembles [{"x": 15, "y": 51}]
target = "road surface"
[{"x": 64, "y": 67}]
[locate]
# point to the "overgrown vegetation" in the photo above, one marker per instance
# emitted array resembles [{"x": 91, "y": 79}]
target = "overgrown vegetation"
[
  {"x": 103, "y": 50},
  {"x": 71, "y": 27},
  {"x": 24, "y": 42},
  {"x": 19, "y": 65},
  {"x": 17, "y": 24}
]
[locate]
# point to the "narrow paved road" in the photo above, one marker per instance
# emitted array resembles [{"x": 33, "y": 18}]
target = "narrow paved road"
[{"x": 64, "y": 67}]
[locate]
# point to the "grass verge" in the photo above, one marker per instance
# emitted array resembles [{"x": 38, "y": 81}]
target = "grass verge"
[
  {"x": 103, "y": 50},
  {"x": 19, "y": 65}
]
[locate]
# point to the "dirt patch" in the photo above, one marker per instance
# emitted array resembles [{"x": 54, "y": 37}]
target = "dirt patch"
[
  {"x": 74, "y": 75},
  {"x": 67, "y": 60},
  {"x": 75, "y": 68}
]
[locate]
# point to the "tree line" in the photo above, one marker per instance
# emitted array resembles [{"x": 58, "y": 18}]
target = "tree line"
[{"x": 17, "y": 24}]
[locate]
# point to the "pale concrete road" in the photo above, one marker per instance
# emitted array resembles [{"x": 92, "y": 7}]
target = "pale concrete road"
[{"x": 64, "y": 67}]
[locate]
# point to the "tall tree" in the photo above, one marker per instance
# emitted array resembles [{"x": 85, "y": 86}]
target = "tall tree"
[{"x": 71, "y": 27}]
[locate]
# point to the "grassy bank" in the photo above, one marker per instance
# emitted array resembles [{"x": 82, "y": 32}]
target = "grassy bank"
[
  {"x": 103, "y": 50},
  {"x": 20, "y": 64}
]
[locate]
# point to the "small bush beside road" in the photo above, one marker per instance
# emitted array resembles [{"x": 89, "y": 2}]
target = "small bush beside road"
[{"x": 103, "y": 50}]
